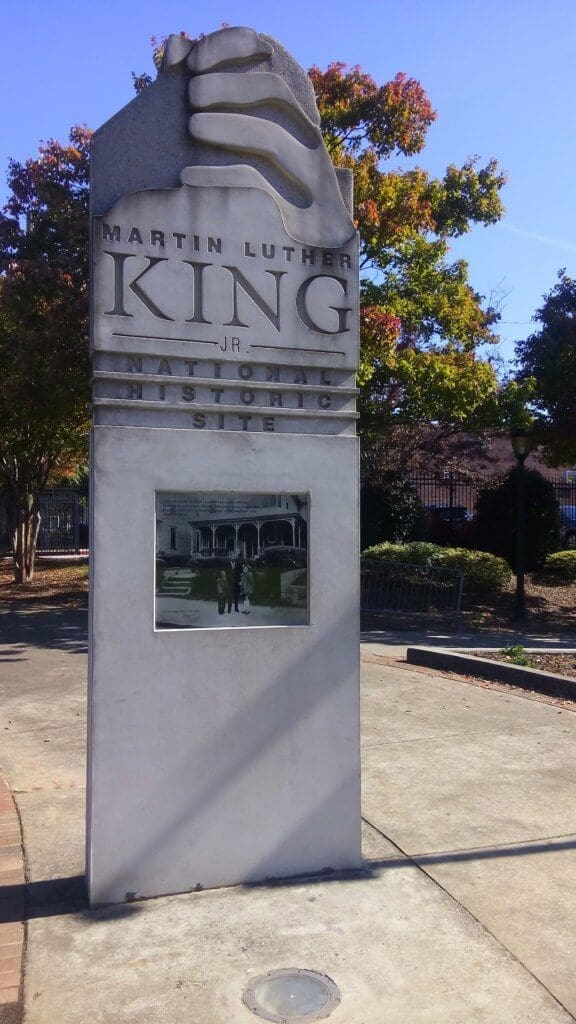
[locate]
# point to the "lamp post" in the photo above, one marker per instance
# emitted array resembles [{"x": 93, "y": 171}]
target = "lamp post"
[{"x": 522, "y": 443}]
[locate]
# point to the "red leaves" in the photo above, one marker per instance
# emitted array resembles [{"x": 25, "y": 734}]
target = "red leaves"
[
  {"x": 407, "y": 114},
  {"x": 356, "y": 113},
  {"x": 378, "y": 326}
]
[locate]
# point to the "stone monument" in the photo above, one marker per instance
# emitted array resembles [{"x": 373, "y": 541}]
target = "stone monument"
[{"x": 224, "y": 655}]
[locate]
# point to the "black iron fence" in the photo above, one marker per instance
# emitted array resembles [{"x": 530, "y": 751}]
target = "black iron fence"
[
  {"x": 449, "y": 500},
  {"x": 446, "y": 491},
  {"x": 396, "y": 589},
  {"x": 63, "y": 524}
]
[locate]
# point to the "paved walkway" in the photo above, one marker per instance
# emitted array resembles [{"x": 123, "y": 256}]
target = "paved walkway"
[
  {"x": 464, "y": 914},
  {"x": 393, "y": 642}
]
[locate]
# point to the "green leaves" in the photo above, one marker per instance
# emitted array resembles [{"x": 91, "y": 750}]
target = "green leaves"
[
  {"x": 44, "y": 366},
  {"x": 421, "y": 321},
  {"x": 466, "y": 196},
  {"x": 547, "y": 361},
  {"x": 482, "y": 570}
]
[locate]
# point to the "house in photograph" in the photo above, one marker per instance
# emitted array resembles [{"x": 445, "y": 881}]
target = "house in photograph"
[{"x": 234, "y": 525}]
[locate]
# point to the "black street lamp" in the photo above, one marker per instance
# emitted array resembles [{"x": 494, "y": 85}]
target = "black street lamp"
[{"x": 522, "y": 443}]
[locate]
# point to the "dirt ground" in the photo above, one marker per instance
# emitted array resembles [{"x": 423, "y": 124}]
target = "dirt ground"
[
  {"x": 551, "y": 605},
  {"x": 561, "y": 664},
  {"x": 64, "y": 585}
]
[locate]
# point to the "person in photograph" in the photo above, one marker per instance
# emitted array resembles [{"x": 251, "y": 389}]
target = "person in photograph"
[
  {"x": 224, "y": 592},
  {"x": 247, "y": 583},
  {"x": 237, "y": 567}
]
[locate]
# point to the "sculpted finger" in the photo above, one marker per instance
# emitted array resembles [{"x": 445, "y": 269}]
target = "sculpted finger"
[
  {"x": 255, "y": 135},
  {"x": 208, "y": 92},
  {"x": 176, "y": 50},
  {"x": 229, "y": 46},
  {"x": 327, "y": 225},
  {"x": 231, "y": 176}
]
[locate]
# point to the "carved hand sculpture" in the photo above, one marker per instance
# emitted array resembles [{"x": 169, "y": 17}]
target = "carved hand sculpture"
[{"x": 317, "y": 216}]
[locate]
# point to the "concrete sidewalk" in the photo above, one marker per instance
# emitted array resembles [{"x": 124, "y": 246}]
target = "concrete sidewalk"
[
  {"x": 392, "y": 643},
  {"x": 465, "y": 911}
]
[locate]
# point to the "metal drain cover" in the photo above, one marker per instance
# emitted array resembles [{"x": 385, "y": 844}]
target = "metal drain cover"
[{"x": 291, "y": 995}]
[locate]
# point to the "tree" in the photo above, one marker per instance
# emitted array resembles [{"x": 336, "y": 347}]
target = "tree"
[
  {"x": 44, "y": 365},
  {"x": 422, "y": 381},
  {"x": 390, "y": 510},
  {"x": 497, "y": 518},
  {"x": 548, "y": 357}
]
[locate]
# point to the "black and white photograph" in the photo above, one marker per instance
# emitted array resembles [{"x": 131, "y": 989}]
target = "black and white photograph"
[{"x": 231, "y": 559}]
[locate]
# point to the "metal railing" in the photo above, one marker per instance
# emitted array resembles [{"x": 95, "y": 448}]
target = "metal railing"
[
  {"x": 64, "y": 522},
  {"x": 396, "y": 588},
  {"x": 452, "y": 490},
  {"x": 450, "y": 498}
]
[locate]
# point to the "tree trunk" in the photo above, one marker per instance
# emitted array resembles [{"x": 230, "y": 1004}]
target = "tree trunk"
[{"x": 24, "y": 519}]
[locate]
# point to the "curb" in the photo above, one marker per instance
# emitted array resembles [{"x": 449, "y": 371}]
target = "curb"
[
  {"x": 12, "y": 884},
  {"x": 469, "y": 664}
]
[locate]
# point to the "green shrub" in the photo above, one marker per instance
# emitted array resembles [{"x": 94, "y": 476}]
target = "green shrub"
[
  {"x": 418, "y": 552},
  {"x": 497, "y": 519},
  {"x": 516, "y": 654},
  {"x": 482, "y": 570},
  {"x": 390, "y": 509},
  {"x": 562, "y": 564}
]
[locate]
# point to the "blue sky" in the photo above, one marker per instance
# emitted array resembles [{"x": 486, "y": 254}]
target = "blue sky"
[{"x": 501, "y": 75}]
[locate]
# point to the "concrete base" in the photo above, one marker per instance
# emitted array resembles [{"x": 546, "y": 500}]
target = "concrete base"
[{"x": 218, "y": 756}]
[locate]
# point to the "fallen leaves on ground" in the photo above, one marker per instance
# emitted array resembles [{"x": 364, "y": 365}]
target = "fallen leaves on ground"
[
  {"x": 51, "y": 584},
  {"x": 551, "y": 605},
  {"x": 560, "y": 663}
]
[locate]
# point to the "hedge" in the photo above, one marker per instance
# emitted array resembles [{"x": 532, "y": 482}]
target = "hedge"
[
  {"x": 390, "y": 510},
  {"x": 482, "y": 570},
  {"x": 562, "y": 564}
]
